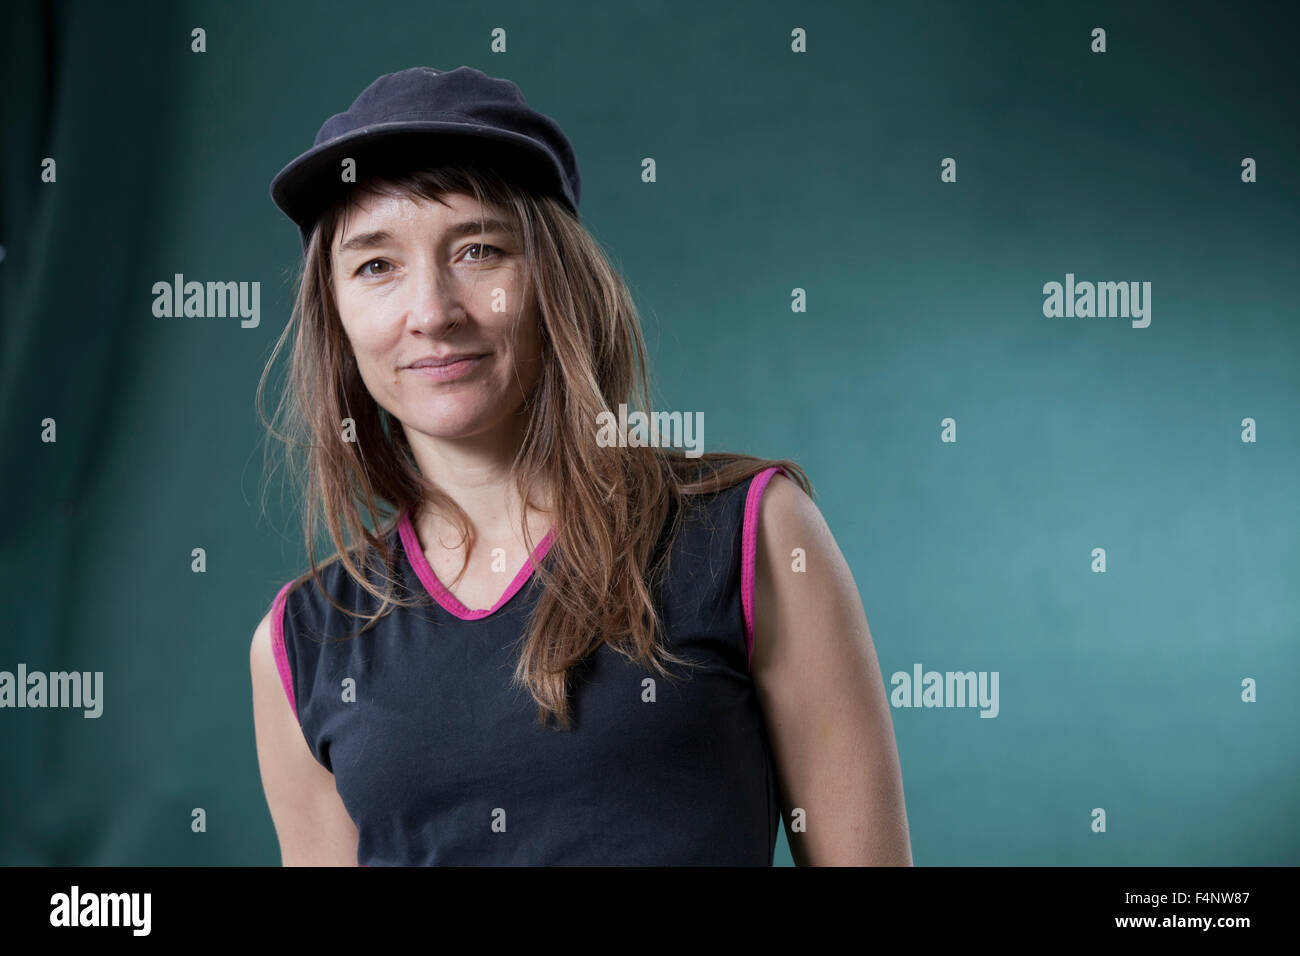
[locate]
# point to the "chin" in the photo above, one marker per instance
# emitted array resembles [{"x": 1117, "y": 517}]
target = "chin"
[{"x": 458, "y": 424}]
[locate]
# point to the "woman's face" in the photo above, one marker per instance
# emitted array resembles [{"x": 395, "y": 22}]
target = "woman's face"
[{"x": 417, "y": 283}]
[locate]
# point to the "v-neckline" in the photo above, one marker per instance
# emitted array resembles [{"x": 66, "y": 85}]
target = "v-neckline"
[{"x": 439, "y": 592}]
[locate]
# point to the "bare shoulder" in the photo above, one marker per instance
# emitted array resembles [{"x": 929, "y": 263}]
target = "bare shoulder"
[
  {"x": 272, "y": 713},
  {"x": 786, "y": 510},
  {"x": 804, "y": 591},
  {"x": 793, "y": 535},
  {"x": 310, "y": 820},
  {"x": 260, "y": 653},
  {"x": 818, "y": 680},
  {"x": 264, "y": 670}
]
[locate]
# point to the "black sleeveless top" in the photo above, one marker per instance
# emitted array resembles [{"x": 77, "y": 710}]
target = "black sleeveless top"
[{"x": 439, "y": 761}]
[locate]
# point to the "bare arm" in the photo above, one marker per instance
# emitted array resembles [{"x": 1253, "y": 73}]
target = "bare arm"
[
  {"x": 823, "y": 697},
  {"x": 310, "y": 820}
]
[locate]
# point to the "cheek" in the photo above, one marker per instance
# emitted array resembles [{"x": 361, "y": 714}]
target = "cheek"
[
  {"x": 372, "y": 342},
  {"x": 362, "y": 324}
]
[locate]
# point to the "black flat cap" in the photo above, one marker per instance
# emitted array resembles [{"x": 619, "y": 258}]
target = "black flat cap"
[{"x": 424, "y": 117}]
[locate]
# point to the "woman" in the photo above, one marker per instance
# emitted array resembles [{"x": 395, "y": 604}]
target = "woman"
[{"x": 533, "y": 646}]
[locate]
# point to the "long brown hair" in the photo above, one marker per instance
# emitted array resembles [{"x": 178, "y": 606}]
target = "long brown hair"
[{"x": 611, "y": 504}]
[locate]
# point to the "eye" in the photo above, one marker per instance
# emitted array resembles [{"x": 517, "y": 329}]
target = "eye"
[
  {"x": 372, "y": 262},
  {"x": 482, "y": 245}
]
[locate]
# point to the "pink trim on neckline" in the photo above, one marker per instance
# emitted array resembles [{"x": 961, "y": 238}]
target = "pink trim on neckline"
[
  {"x": 449, "y": 601},
  {"x": 749, "y": 552}
]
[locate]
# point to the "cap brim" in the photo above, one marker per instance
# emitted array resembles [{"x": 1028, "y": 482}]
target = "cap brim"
[{"x": 314, "y": 180}]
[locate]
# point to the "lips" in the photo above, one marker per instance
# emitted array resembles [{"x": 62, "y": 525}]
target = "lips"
[
  {"x": 448, "y": 368},
  {"x": 438, "y": 362}
]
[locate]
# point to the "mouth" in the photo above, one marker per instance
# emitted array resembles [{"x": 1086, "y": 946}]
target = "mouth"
[{"x": 447, "y": 369}]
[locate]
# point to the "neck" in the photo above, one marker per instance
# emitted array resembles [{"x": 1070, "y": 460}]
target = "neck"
[{"x": 475, "y": 473}]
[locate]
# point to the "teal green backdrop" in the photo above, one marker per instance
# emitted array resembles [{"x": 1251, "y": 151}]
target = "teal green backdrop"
[{"x": 776, "y": 170}]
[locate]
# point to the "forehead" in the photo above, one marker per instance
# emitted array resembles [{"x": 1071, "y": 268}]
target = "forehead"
[
  {"x": 388, "y": 216},
  {"x": 386, "y": 209}
]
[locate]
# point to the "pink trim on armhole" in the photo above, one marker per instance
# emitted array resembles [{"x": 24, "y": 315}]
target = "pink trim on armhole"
[
  {"x": 277, "y": 645},
  {"x": 749, "y": 551}
]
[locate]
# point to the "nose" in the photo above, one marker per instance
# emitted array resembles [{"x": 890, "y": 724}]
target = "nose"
[{"x": 436, "y": 298}]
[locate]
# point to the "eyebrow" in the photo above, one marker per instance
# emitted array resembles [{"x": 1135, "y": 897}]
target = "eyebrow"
[{"x": 471, "y": 227}]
